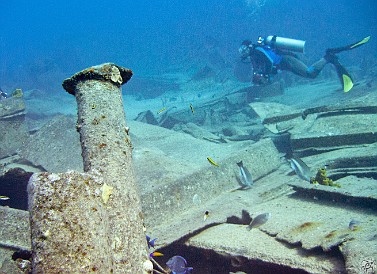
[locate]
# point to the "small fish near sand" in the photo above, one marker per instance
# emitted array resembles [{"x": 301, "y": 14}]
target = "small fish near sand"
[
  {"x": 161, "y": 110},
  {"x": 245, "y": 179},
  {"x": 212, "y": 162},
  {"x": 301, "y": 169},
  {"x": 4, "y": 198},
  {"x": 354, "y": 225},
  {"x": 206, "y": 214},
  {"x": 192, "y": 108},
  {"x": 259, "y": 220}
]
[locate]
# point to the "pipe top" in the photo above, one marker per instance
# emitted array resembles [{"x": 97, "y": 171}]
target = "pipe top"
[{"x": 104, "y": 72}]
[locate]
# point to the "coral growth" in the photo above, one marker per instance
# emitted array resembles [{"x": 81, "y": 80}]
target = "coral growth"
[
  {"x": 17, "y": 93},
  {"x": 304, "y": 227},
  {"x": 106, "y": 192},
  {"x": 322, "y": 179}
]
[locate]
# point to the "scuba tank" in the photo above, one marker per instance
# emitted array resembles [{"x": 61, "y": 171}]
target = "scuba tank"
[{"x": 285, "y": 43}]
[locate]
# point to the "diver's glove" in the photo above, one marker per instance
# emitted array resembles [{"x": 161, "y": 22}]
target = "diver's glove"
[{"x": 260, "y": 79}]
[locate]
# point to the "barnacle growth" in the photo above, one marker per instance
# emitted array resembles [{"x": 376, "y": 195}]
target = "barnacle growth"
[{"x": 106, "y": 192}]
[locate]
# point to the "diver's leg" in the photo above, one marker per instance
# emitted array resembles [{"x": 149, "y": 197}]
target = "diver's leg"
[
  {"x": 298, "y": 67},
  {"x": 316, "y": 68}
]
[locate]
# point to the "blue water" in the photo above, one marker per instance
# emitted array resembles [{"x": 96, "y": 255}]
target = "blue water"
[
  {"x": 151, "y": 37},
  {"x": 44, "y": 42}
]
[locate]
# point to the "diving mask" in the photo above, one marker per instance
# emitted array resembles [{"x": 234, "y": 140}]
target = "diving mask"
[{"x": 245, "y": 50}]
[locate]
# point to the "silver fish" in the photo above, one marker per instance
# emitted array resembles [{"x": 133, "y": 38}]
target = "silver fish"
[
  {"x": 246, "y": 179},
  {"x": 4, "y": 198},
  {"x": 259, "y": 220},
  {"x": 354, "y": 225},
  {"x": 301, "y": 169}
]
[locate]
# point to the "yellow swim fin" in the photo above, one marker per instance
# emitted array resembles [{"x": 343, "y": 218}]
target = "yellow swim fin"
[
  {"x": 344, "y": 77},
  {"x": 349, "y": 47},
  {"x": 361, "y": 42},
  {"x": 347, "y": 83}
]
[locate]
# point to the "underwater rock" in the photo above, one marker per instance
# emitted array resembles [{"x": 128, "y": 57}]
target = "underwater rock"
[
  {"x": 336, "y": 126},
  {"x": 168, "y": 121},
  {"x": 243, "y": 72},
  {"x": 66, "y": 151},
  {"x": 13, "y": 184},
  {"x": 354, "y": 190},
  {"x": 146, "y": 117},
  {"x": 358, "y": 161},
  {"x": 250, "y": 249},
  {"x": 255, "y": 92},
  {"x": 203, "y": 73},
  {"x": 322, "y": 128},
  {"x": 236, "y": 100},
  {"x": 207, "y": 182},
  {"x": 14, "y": 238},
  {"x": 360, "y": 256},
  {"x": 276, "y": 117},
  {"x": 14, "y": 131},
  {"x": 232, "y": 131},
  {"x": 330, "y": 141},
  {"x": 198, "y": 132}
]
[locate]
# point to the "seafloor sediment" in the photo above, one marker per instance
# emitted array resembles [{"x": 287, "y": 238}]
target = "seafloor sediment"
[{"x": 308, "y": 229}]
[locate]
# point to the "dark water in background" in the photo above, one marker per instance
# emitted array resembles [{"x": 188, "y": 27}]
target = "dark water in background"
[{"x": 42, "y": 42}]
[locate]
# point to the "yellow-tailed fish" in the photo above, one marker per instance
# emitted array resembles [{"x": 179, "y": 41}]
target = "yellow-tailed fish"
[
  {"x": 156, "y": 254},
  {"x": 3, "y": 198},
  {"x": 206, "y": 214},
  {"x": 161, "y": 110},
  {"x": 192, "y": 108},
  {"x": 212, "y": 161}
]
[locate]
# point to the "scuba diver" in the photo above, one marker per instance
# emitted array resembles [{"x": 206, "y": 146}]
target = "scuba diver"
[
  {"x": 3, "y": 95},
  {"x": 274, "y": 53}
]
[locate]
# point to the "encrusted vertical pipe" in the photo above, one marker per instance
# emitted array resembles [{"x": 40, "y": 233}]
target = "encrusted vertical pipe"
[
  {"x": 69, "y": 224},
  {"x": 92, "y": 221},
  {"x": 106, "y": 150}
]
